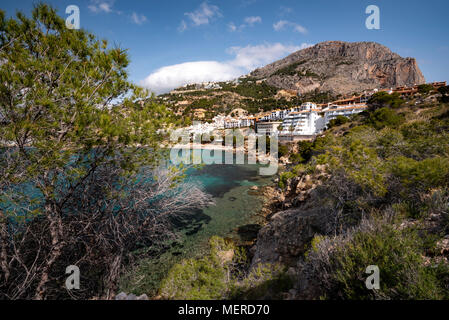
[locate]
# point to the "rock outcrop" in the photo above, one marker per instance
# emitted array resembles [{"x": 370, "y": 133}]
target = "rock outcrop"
[
  {"x": 341, "y": 68},
  {"x": 288, "y": 233},
  {"x": 124, "y": 296},
  {"x": 285, "y": 238}
]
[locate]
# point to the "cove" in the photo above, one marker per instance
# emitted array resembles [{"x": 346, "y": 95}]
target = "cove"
[{"x": 236, "y": 205}]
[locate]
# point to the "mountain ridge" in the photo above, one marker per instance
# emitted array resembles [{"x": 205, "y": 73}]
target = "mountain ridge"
[
  {"x": 341, "y": 67},
  {"x": 322, "y": 73}
]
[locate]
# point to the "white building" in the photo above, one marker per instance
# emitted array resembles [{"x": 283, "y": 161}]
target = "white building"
[
  {"x": 306, "y": 121},
  {"x": 333, "y": 111},
  {"x": 201, "y": 128},
  {"x": 247, "y": 122},
  {"x": 231, "y": 123},
  {"x": 309, "y": 119},
  {"x": 268, "y": 128},
  {"x": 219, "y": 121},
  {"x": 280, "y": 114},
  {"x": 264, "y": 116}
]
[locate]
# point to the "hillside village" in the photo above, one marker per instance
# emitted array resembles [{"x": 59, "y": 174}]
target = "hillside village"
[
  {"x": 299, "y": 95},
  {"x": 297, "y": 122}
]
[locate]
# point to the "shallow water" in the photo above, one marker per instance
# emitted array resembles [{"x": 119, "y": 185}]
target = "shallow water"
[{"x": 235, "y": 205}]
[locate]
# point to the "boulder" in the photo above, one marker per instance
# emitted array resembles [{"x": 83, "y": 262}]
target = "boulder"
[
  {"x": 287, "y": 236},
  {"x": 121, "y": 296}
]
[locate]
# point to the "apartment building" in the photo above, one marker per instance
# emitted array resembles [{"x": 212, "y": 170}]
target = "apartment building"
[
  {"x": 268, "y": 128},
  {"x": 333, "y": 111},
  {"x": 306, "y": 121}
]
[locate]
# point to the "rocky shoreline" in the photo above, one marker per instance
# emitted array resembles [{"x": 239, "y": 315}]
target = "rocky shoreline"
[{"x": 290, "y": 224}]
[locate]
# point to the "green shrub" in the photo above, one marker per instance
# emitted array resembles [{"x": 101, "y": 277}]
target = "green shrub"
[
  {"x": 425, "y": 88},
  {"x": 222, "y": 275},
  {"x": 426, "y": 139},
  {"x": 290, "y": 70},
  {"x": 305, "y": 149},
  {"x": 421, "y": 175},
  {"x": 205, "y": 278},
  {"x": 418, "y": 178},
  {"x": 282, "y": 150},
  {"x": 384, "y": 99},
  {"x": 195, "y": 279},
  {"x": 284, "y": 177},
  {"x": 385, "y": 117},
  {"x": 360, "y": 163},
  {"x": 296, "y": 158},
  {"x": 397, "y": 253},
  {"x": 202, "y": 104},
  {"x": 265, "y": 281},
  {"x": 338, "y": 121},
  {"x": 444, "y": 91},
  {"x": 314, "y": 245},
  {"x": 251, "y": 89},
  {"x": 390, "y": 143}
]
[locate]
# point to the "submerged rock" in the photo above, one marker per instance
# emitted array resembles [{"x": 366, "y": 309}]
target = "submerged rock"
[{"x": 249, "y": 232}]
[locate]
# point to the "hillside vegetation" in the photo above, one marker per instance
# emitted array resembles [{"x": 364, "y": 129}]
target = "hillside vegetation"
[
  {"x": 248, "y": 94},
  {"x": 376, "y": 193}
]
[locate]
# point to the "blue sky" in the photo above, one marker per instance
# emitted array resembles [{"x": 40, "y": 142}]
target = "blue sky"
[{"x": 174, "y": 42}]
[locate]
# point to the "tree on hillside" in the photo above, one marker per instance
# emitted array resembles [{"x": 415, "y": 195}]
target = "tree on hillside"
[
  {"x": 425, "y": 88},
  {"x": 338, "y": 121},
  {"x": 385, "y": 117},
  {"x": 78, "y": 158},
  {"x": 384, "y": 99},
  {"x": 444, "y": 91}
]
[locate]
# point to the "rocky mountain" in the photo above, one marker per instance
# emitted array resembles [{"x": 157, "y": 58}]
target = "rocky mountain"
[
  {"x": 342, "y": 68},
  {"x": 320, "y": 74}
]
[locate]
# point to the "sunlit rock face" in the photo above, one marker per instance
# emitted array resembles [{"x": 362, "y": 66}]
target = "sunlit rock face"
[{"x": 341, "y": 68}]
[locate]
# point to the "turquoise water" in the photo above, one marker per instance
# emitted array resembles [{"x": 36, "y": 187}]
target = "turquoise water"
[{"x": 235, "y": 205}]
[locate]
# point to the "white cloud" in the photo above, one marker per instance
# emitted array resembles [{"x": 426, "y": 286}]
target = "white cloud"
[
  {"x": 281, "y": 24},
  {"x": 232, "y": 27},
  {"x": 183, "y": 26},
  {"x": 252, "y": 20},
  {"x": 101, "y": 6},
  {"x": 138, "y": 18},
  {"x": 202, "y": 16},
  {"x": 300, "y": 29},
  {"x": 170, "y": 77},
  {"x": 245, "y": 59},
  {"x": 249, "y": 22},
  {"x": 283, "y": 11},
  {"x": 247, "y": 3},
  {"x": 251, "y": 57}
]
